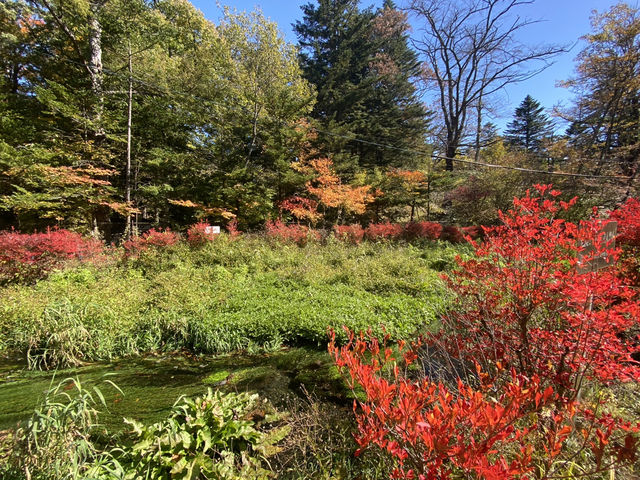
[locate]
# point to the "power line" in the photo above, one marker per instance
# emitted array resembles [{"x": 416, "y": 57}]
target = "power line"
[
  {"x": 469, "y": 162},
  {"x": 529, "y": 170}
]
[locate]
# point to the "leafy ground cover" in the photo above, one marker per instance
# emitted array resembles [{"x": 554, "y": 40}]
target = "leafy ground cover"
[
  {"x": 248, "y": 295},
  {"x": 231, "y": 294}
]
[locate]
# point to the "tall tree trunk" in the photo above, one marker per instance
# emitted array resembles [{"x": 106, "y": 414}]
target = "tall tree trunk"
[
  {"x": 129, "y": 227},
  {"x": 15, "y": 78},
  {"x": 429, "y": 195},
  {"x": 95, "y": 64},
  {"x": 478, "y": 128},
  {"x": 452, "y": 149}
]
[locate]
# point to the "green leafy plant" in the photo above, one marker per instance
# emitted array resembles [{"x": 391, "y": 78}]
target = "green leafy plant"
[
  {"x": 222, "y": 436},
  {"x": 56, "y": 441}
]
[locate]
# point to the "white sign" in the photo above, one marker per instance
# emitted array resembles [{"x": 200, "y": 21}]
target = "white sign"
[{"x": 212, "y": 229}]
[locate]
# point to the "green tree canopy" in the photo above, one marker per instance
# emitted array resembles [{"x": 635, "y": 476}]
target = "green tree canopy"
[
  {"x": 604, "y": 121},
  {"x": 362, "y": 68},
  {"x": 530, "y": 126},
  {"x": 212, "y": 127}
]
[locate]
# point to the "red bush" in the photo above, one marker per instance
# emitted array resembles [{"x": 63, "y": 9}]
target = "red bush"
[
  {"x": 426, "y": 230},
  {"x": 452, "y": 234},
  {"x": 151, "y": 239},
  {"x": 28, "y": 257},
  {"x": 526, "y": 301},
  {"x": 628, "y": 217},
  {"x": 473, "y": 232},
  {"x": 410, "y": 231},
  {"x": 384, "y": 231},
  {"x": 197, "y": 235},
  {"x": 349, "y": 233},
  {"x": 232, "y": 228},
  {"x": 298, "y": 234},
  {"x": 513, "y": 429},
  {"x": 539, "y": 323}
]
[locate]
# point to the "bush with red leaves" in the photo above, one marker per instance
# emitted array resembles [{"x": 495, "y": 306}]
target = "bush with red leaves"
[
  {"x": 423, "y": 230},
  {"x": 473, "y": 232},
  {"x": 29, "y": 257},
  {"x": 384, "y": 231},
  {"x": 349, "y": 233},
  {"x": 232, "y": 228},
  {"x": 153, "y": 239},
  {"x": 410, "y": 232},
  {"x": 294, "y": 233},
  {"x": 539, "y": 322},
  {"x": 452, "y": 234},
  {"x": 516, "y": 428},
  {"x": 198, "y": 236},
  {"x": 527, "y": 301},
  {"x": 628, "y": 218}
]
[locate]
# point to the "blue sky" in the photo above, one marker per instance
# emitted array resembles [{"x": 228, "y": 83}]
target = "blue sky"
[{"x": 563, "y": 22}]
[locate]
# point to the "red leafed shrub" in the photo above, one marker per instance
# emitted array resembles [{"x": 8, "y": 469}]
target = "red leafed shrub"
[
  {"x": 349, "y": 233},
  {"x": 452, "y": 234},
  {"x": 473, "y": 232},
  {"x": 515, "y": 428},
  {"x": 527, "y": 301},
  {"x": 151, "y": 239},
  {"x": 628, "y": 217},
  {"x": 28, "y": 257},
  {"x": 298, "y": 234},
  {"x": 384, "y": 231},
  {"x": 232, "y": 228},
  {"x": 427, "y": 230},
  {"x": 539, "y": 322},
  {"x": 197, "y": 235}
]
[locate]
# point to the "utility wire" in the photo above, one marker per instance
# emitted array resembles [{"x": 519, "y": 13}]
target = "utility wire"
[
  {"x": 529, "y": 170},
  {"x": 469, "y": 162}
]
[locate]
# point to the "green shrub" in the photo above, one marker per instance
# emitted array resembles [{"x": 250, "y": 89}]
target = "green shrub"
[{"x": 216, "y": 435}]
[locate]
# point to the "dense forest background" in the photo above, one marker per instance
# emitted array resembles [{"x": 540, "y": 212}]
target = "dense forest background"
[{"x": 117, "y": 116}]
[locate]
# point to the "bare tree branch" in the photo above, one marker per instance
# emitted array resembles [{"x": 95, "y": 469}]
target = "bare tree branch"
[{"x": 470, "y": 51}]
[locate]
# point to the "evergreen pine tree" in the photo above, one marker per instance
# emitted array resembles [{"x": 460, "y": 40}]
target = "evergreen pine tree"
[
  {"x": 361, "y": 66},
  {"x": 529, "y": 127},
  {"x": 395, "y": 113}
]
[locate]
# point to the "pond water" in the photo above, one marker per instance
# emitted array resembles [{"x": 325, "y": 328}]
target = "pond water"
[{"x": 152, "y": 384}]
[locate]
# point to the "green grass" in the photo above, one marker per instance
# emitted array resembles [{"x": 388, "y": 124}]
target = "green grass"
[{"x": 243, "y": 294}]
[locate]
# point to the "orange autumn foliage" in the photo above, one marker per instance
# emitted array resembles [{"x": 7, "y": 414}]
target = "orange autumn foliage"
[{"x": 327, "y": 187}]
